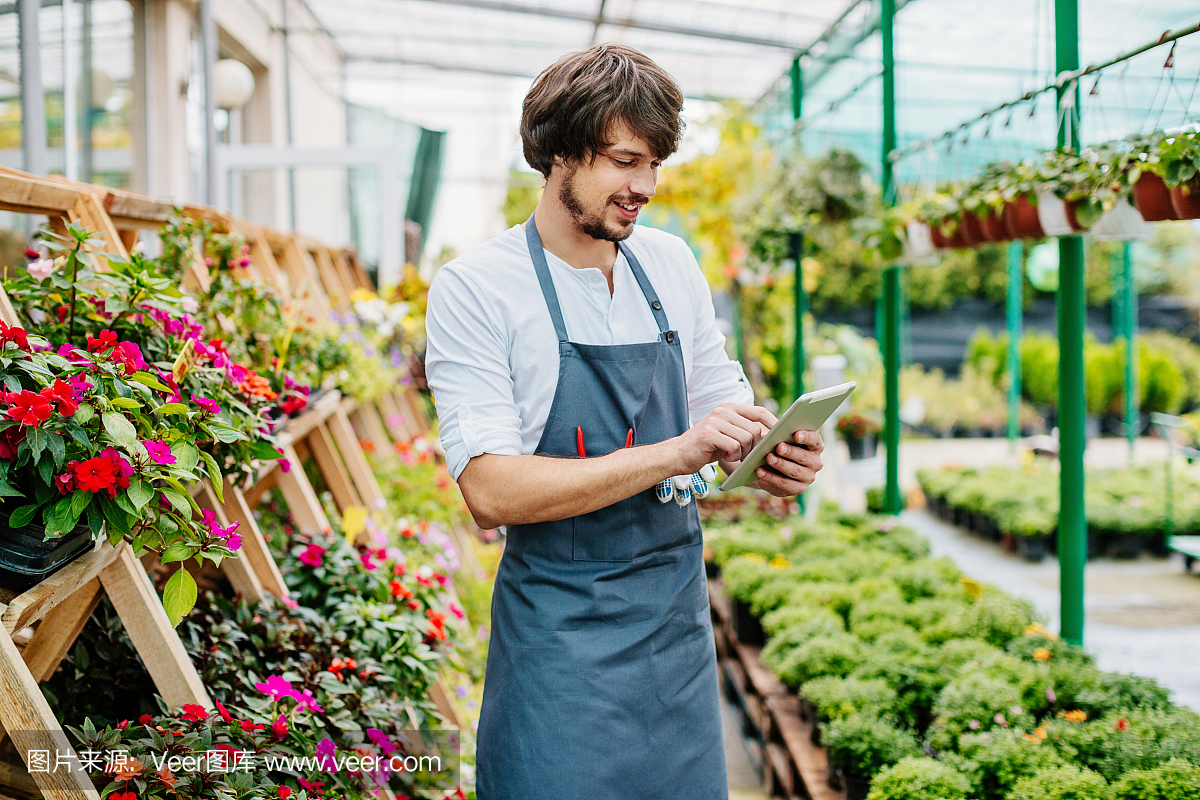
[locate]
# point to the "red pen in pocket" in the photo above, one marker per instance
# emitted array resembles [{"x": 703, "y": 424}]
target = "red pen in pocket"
[
  {"x": 629, "y": 438},
  {"x": 579, "y": 442}
]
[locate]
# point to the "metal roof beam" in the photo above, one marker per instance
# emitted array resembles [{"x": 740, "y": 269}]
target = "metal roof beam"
[
  {"x": 439, "y": 65},
  {"x": 628, "y": 22}
]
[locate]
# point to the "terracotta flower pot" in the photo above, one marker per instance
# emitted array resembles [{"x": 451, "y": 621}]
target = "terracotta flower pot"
[
  {"x": 938, "y": 238},
  {"x": 1153, "y": 198},
  {"x": 972, "y": 229},
  {"x": 992, "y": 227},
  {"x": 959, "y": 240},
  {"x": 1021, "y": 219},
  {"x": 1185, "y": 200},
  {"x": 1071, "y": 218}
]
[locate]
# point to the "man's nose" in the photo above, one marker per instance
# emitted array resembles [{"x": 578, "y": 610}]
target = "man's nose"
[{"x": 644, "y": 182}]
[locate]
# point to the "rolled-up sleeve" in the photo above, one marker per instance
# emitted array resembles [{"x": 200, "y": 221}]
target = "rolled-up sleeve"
[
  {"x": 715, "y": 378},
  {"x": 468, "y": 370}
]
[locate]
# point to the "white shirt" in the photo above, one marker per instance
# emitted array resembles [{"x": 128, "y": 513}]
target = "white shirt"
[{"x": 492, "y": 357}]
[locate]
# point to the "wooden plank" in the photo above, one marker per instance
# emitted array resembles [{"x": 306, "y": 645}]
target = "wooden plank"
[
  {"x": 370, "y": 427},
  {"x": 364, "y": 279},
  {"x": 350, "y": 279},
  {"x": 441, "y": 700},
  {"x": 241, "y": 572},
  {"x": 28, "y": 719},
  {"x": 130, "y": 205},
  {"x": 325, "y": 453},
  {"x": 356, "y": 461},
  {"x": 417, "y": 404},
  {"x": 337, "y": 293},
  {"x": 34, "y": 195},
  {"x": 299, "y": 494},
  {"x": 762, "y": 679},
  {"x": 265, "y": 483},
  {"x": 812, "y": 764},
  {"x": 254, "y": 545},
  {"x": 53, "y": 637},
  {"x": 34, "y": 603},
  {"x": 7, "y": 312},
  {"x": 781, "y": 778},
  {"x": 299, "y": 428},
  {"x": 303, "y": 277},
  {"x": 400, "y": 425},
  {"x": 152, "y": 634}
]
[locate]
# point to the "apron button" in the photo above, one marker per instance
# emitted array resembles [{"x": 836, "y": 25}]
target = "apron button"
[
  {"x": 657, "y": 306},
  {"x": 670, "y": 337}
]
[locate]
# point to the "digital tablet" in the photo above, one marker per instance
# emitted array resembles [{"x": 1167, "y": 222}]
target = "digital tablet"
[{"x": 808, "y": 413}]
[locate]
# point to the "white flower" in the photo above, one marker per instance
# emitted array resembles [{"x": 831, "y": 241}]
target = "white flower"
[{"x": 190, "y": 305}]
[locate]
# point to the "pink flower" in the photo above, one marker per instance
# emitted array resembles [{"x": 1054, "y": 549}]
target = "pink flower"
[
  {"x": 279, "y": 727},
  {"x": 41, "y": 268},
  {"x": 275, "y": 686},
  {"x": 312, "y": 555},
  {"x": 326, "y": 754},
  {"x": 206, "y": 404},
  {"x": 365, "y": 558},
  {"x": 159, "y": 451},
  {"x": 306, "y": 700},
  {"x": 128, "y": 355},
  {"x": 234, "y": 540},
  {"x": 289, "y": 602},
  {"x": 381, "y": 741}
]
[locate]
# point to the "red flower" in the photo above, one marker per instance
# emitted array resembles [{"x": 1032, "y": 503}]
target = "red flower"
[
  {"x": 279, "y": 727},
  {"x": 129, "y": 356},
  {"x": 284, "y": 792},
  {"x": 1121, "y": 725},
  {"x": 312, "y": 786},
  {"x": 312, "y": 555},
  {"x": 65, "y": 483},
  {"x": 62, "y": 395},
  {"x": 145, "y": 719},
  {"x": 102, "y": 343},
  {"x": 398, "y": 590},
  {"x": 123, "y": 724},
  {"x": 193, "y": 712},
  {"x": 9, "y": 439},
  {"x": 437, "y": 624},
  {"x": 224, "y": 712},
  {"x": 251, "y": 727},
  {"x": 28, "y": 408},
  {"x": 94, "y": 474},
  {"x": 123, "y": 796},
  {"x": 122, "y": 470},
  {"x": 414, "y": 605},
  {"x": 294, "y": 404},
  {"x": 15, "y": 335}
]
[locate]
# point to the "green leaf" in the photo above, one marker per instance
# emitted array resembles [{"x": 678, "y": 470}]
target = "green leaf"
[
  {"x": 12, "y": 383},
  {"x": 125, "y": 504},
  {"x": 46, "y": 471},
  {"x": 179, "y": 500},
  {"x": 120, "y": 429},
  {"x": 22, "y": 516},
  {"x": 140, "y": 493},
  {"x": 62, "y": 517},
  {"x": 178, "y": 551},
  {"x": 173, "y": 408},
  {"x": 186, "y": 455},
  {"x": 264, "y": 451},
  {"x": 37, "y": 442},
  {"x": 125, "y": 402},
  {"x": 118, "y": 520},
  {"x": 95, "y": 519},
  {"x": 214, "y": 475},
  {"x": 225, "y": 434},
  {"x": 179, "y": 595},
  {"x": 79, "y": 501},
  {"x": 78, "y": 434},
  {"x": 146, "y": 379},
  {"x": 84, "y": 414},
  {"x": 7, "y": 490},
  {"x": 57, "y": 447}
]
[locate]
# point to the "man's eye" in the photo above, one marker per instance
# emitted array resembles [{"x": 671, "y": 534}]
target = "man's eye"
[{"x": 623, "y": 163}]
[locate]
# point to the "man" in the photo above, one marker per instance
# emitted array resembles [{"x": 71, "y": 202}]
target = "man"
[{"x": 567, "y": 357}]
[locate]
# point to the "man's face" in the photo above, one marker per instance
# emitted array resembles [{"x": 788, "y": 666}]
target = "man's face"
[{"x": 603, "y": 195}]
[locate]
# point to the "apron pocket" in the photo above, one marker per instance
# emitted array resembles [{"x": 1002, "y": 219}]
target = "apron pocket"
[{"x": 607, "y": 534}]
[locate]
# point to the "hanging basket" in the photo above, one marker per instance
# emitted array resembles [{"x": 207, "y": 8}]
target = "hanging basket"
[
  {"x": 972, "y": 229},
  {"x": 1185, "y": 200},
  {"x": 1122, "y": 224},
  {"x": 993, "y": 228},
  {"x": 937, "y": 238},
  {"x": 1153, "y": 198},
  {"x": 1052, "y": 215},
  {"x": 1021, "y": 219},
  {"x": 918, "y": 242}
]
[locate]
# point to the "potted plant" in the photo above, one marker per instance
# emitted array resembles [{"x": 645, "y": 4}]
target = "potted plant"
[
  {"x": 860, "y": 432},
  {"x": 1019, "y": 187},
  {"x": 1144, "y": 173},
  {"x": 862, "y": 744},
  {"x": 1179, "y": 165}
]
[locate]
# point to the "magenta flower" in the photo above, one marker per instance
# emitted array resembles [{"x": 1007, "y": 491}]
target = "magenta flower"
[
  {"x": 381, "y": 741},
  {"x": 326, "y": 754},
  {"x": 275, "y": 686},
  {"x": 160, "y": 452},
  {"x": 312, "y": 555},
  {"x": 306, "y": 700},
  {"x": 206, "y": 404},
  {"x": 234, "y": 540},
  {"x": 365, "y": 558}
]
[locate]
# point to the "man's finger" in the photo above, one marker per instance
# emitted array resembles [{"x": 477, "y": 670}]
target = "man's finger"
[
  {"x": 779, "y": 485},
  {"x": 797, "y": 470},
  {"x": 810, "y": 439},
  {"x": 756, "y": 413}
]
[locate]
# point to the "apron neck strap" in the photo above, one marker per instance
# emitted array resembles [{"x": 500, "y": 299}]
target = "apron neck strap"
[{"x": 538, "y": 255}]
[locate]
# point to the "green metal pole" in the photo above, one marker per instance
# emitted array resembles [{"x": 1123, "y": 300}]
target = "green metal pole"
[
  {"x": 1072, "y": 518},
  {"x": 800, "y": 298},
  {"x": 892, "y": 503},
  {"x": 1013, "y": 309},
  {"x": 797, "y": 89},
  {"x": 735, "y": 297},
  {"x": 1130, "y": 309}
]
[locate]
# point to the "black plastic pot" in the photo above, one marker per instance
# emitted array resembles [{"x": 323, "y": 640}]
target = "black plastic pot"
[
  {"x": 747, "y": 627},
  {"x": 1033, "y": 548},
  {"x": 1127, "y": 546},
  {"x": 861, "y": 448},
  {"x": 856, "y": 789},
  {"x": 27, "y": 557}
]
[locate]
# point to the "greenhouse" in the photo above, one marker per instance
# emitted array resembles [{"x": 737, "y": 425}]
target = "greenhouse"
[{"x": 550, "y": 399}]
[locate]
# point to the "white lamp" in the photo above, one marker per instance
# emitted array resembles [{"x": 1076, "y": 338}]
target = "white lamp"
[{"x": 234, "y": 83}]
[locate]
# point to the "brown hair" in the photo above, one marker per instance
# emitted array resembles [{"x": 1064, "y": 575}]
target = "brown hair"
[{"x": 577, "y": 101}]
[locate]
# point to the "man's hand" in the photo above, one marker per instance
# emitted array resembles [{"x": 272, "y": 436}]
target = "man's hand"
[
  {"x": 729, "y": 433},
  {"x": 791, "y": 468}
]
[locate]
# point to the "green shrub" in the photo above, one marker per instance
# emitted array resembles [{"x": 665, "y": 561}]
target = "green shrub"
[
  {"x": 835, "y": 698},
  {"x": 925, "y": 577},
  {"x": 919, "y": 778},
  {"x": 995, "y": 617},
  {"x": 781, "y": 645},
  {"x": 837, "y": 655},
  {"x": 1175, "y": 780},
  {"x": 976, "y": 702},
  {"x": 1160, "y": 381},
  {"x": 1063, "y": 782},
  {"x": 1039, "y": 368},
  {"x": 1001, "y": 758},
  {"x": 743, "y": 575},
  {"x": 794, "y": 614},
  {"x": 862, "y": 744},
  {"x": 1115, "y": 692},
  {"x": 1120, "y": 742}
]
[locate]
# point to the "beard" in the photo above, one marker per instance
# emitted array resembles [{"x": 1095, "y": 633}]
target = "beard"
[{"x": 594, "y": 225}]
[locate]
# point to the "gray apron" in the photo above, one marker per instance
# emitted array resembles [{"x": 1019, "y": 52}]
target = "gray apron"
[{"x": 601, "y": 674}]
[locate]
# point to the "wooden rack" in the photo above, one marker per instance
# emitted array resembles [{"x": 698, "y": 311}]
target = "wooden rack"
[{"x": 319, "y": 278}]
